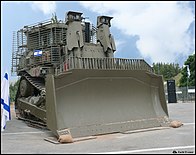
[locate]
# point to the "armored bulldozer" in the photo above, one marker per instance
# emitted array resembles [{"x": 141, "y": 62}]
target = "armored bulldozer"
[{"x": 71, "y": 81}]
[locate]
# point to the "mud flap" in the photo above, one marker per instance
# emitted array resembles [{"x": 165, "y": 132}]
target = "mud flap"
[{"x": 92, "y": 102}]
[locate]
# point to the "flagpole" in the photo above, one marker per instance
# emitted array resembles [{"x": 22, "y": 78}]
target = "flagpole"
[
  {"x": 188, "y": 75},
  {"x": 187, "y": 84},
  {"x": 187, "y": 80}
]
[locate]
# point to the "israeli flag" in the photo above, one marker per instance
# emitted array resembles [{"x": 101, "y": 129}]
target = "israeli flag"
[
  {"x": 38, "y": 53},
  {"x": 5, "y": 102}
]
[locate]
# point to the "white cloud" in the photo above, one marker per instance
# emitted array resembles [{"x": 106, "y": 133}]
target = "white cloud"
[
  {"x": 47, "y": 7},
  {"x": 161, "y": 26},
  {"x": 119, "y": 43}
]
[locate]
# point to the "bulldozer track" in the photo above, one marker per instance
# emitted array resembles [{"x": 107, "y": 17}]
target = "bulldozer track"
[
  {"x": 37, "y": 83},
  {"x": 33, "y": 123}
]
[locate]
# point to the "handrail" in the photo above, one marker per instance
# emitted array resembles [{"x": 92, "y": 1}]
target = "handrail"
[{"x": 102, "y": 64}]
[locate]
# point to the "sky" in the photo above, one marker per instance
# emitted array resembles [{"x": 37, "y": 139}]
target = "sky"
[{"x": 154, "y": 31}]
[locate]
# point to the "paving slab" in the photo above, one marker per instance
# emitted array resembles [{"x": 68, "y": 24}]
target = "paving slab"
[{"x": 18, "y": 138}]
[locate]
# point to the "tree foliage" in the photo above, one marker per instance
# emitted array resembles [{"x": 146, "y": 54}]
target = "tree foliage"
[
  {"x": 191, "y": 80},
  {"x": 13, "y": 90},
  {"x": 54, "y": 18},
  {"x": 168, "y": 70}
]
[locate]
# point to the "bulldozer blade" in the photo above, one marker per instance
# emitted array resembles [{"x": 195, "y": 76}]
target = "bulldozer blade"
[{"x": 84, "y": 102}]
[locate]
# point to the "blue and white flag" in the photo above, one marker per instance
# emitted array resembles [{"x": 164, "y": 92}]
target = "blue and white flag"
[
  {"x": 38, "y": 53},
  {"x": 5, "y": 102}
]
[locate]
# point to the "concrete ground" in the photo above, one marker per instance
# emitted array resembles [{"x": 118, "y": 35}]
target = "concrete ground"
[{"x": 18, "y": 138}]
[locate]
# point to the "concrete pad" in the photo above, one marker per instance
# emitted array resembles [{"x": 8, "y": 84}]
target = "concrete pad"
[{"x": 18, "y": 138}]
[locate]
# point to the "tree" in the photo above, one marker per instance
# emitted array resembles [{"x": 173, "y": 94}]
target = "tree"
[
  {"x": 54, "y": 18},
  {"x": 13, "y": 90},
  {"x": 191, "y": 80},
  {"x": 168, "y": 70}
]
